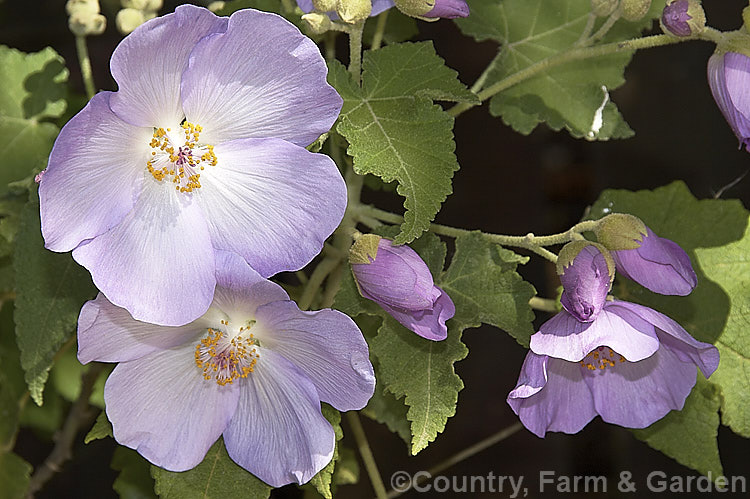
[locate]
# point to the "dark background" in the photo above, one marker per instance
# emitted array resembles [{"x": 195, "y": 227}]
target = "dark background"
[{"x": 509, "y": 184}]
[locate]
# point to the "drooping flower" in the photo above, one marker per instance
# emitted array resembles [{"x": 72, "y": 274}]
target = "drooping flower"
[
  {"x": 200, "y": 150},
  {"x": 624, "y": 362},
  {"x": 729, "y": 77},
  {"x": 398, "y": 280},
  {"x": 654, "y": 262},
  {"x": 253, "y": 368}
]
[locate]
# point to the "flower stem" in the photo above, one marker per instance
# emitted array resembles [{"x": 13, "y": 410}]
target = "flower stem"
[
  {"x": 461, "y": 456},
  {"x": 543, "y": 304},
  {"x": 316, "y": 279},
  {"x": 529, "y": 241},
  {"x": 575, "y": 54},
  {"x": 366, "y": 454},
  {"x": 355, "y": 50},
  {"x": 85, "y": 63},
  {"x": 78, "y": 417},
  {"x": 377, "y": 38}
]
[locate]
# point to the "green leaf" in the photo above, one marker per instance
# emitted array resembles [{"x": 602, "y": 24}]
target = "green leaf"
[
  {"x": 12, "y": 386},
  {"x": 396, "y": 132},
  {"x": 347, "y": 467},
  {"x": 567, "y": 95},
  {"x": 322, "y": 480},
  {"x": 134, "y": 480},
  {"x": 398, "y": 28},
  {"x": 483, "y": 283},
  {"x": 217, "y": 477},
  {"x": 102, "y": 429},
  {"x": 32, "y": 89},
  {"x": 699, "y": 419},
  {"x": 51, "y": 288},
  {"x": 384, "y": 408},
  {"x": 14, "y": 475},
  {"x": 713, "y": 232}
]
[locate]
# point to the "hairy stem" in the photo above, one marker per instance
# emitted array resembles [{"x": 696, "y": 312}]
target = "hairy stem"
[
  {"x": 316, "y": 279},
  {"x": 377, "y": 38},
  {"x": 529, "y": 241},
  {"x": 461, "y": 456},
  {"x": 85, "y": 63},
  {"x": 78, "y": 417},
  {"x": 355, "y": 50},
  {"x": 543, "y": 304},
  {"x": 577, "y": 54},
  {"x": 367, "y": 458}
]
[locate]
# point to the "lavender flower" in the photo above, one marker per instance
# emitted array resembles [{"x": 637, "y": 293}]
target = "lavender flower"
[
  {"x": 654, "y": 262},
  {"x": 625, "y": 362},
  {"x": 398, "y": 280},
  {"x": 729, "y": 79},
  {"x": 201, "y": 149},
  {"x": 253, "y": 368}
]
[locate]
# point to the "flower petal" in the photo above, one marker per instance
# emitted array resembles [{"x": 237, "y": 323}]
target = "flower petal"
[
  {"x": 566, "y": 338},
  {"x": 659, "y": 264},
  {"x": 551, "y": 396},
  {"x": 428, "y": 323},
  {"x": 397, "y": 277},
  {"x": 704, "y": 355},
  {"x": 260, "y": 195},
  {"x": 158, "y": 263},
  {"x": 278, "y": 433},
  {"x": 737, "y": 73},
  {"x": 327, "y": 346},
  {"x": 148, "y": 65},
  {"x": 94, "y": 175},
  {"x": 637, "y": 394},
  {"x": 161, "y": 406},
  {"x": 262, "y": 78},
  {"x": 107, "y": 333},
  {"x": 586, "y": 283},
  {"x": 718, "y": 80},
  {"x": 240, "y": 290}
]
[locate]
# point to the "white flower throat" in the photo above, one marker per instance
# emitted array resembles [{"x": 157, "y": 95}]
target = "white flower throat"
[
  {"x": 226, "y": 356},
  {"x": 181, "y": 164}
]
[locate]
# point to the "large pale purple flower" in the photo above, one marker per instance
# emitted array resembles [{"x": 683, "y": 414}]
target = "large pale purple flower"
[
  {"x": 729, "y": 79},
  {"x": 625, "y": 362},
  {"x": 253, "y": 368},
  {"x": 658, "y": 264},
  {"x": 398, "y": 280},
  {"x": 201, "y": 149}
]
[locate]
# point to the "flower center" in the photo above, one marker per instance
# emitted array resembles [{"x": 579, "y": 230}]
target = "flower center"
[
  {"x": 225, "y": 357},
  {"x": 601, "y": 358},
  {"x": 180, "y": 163}
]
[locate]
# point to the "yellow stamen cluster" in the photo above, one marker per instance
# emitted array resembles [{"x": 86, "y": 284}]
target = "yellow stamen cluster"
[
  {"x": 601, "y": 358},
  {"x": 226, "y": 359},
  {"x": 181, "y": 163}
]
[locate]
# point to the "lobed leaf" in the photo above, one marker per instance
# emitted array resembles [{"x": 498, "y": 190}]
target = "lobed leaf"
[
  {"x": 396, "y": 132},
  {"x": 51, "y": 288},
  {"x": 32, "y": 89}
]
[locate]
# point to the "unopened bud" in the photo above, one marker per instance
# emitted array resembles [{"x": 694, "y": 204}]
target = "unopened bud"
[
  {"x": 634, "y": 10},
  {"x": 683, "y": 18},
  {"x": 82, "y": 7},
  {"x": 325, "y": 5},
  {"x": 134, "y": 4},
  {"x": 353, "y": 11},
  {"x": 84, "y": 24},
  {"x": 604, "y": 8},
  {"x": 317, "y": 22},
  {"x": 620, "y": 231},
  {"x": 570, "y": 251},
  {"x": 431, "y": 10},
  {"x": 129, "y": 19},
  {"x": 216, "y": 6},
  {"x": 746, "y": 18}
]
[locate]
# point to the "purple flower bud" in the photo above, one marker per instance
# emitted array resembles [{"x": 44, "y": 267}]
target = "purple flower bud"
[
  {"x": 586, "y": 276},
  {"x": 657, "y": 264},
  {"x": 683, "y": 18},
  {"x": 449, "y": 9},
  {"x": 729, "y": 79},
  {"x": 398, "y": 280},
  {"x": 433, "y": 9}
]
